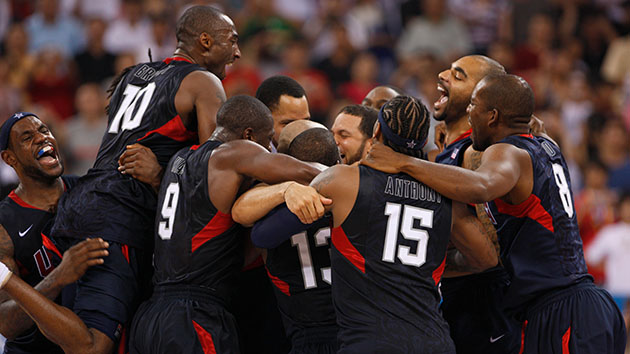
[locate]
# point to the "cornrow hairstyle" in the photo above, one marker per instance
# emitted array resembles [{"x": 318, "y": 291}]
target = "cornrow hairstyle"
[{"x": 409, "y": 119}]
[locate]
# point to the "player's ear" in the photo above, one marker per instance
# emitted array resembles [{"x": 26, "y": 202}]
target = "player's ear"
[
  {"x": 205, "y": 40},
  {"x": 248, "y": 134},
  {"x": 376, "y": 133},
  {"x": 8, "y": 157},
  {"x": 493, "y": 117}
]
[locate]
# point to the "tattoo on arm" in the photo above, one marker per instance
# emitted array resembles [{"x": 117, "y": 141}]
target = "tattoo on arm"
[
  {"x": 475, "y": 160},
  {"x": 489, "y": 228},
  {"x": 322, "y": 181}
]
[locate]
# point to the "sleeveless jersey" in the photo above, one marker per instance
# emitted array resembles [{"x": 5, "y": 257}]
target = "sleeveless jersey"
[
  {"x": 117, "y": 207},
  {"x": 300, "y": 270},
  {"x": 387, "y": 259},
  {"x": 195, "y": 244},
  {"x": 540, "y": 242},
  {"x": 453, "y": 153},
  {"x": 35, "y": 255}
]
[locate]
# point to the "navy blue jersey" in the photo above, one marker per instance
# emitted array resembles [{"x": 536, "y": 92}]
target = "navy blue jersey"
[
  {"x": 387, "y": 259},
  {"x": 540, "y": 242},
  {"x": 453, "y": 153},
  {"x": 300, "y": 270},
  {"x": 106, "y": 203},
  {"x": 195, "y": 244},
  {"x": 35, "y": 255}
]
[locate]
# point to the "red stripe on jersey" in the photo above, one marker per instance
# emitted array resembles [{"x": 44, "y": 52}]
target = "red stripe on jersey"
[
  {"x": 125, "y": 252},
  {"x": 122, "y": 345},
  {"x": 195, "y": 147},
  {"x": 258, "y": 262},
  {"x": 220, "y": 223},
  {"x": 530, "y": 208},
  {"x": 279, "y": 283},
  {"x": 173, "y": 129},
  {"x": 523, "y": 337},
  {"x": 343, "y": 245},
  {"x": 169, "y": 60},
  {"x": 463, "y": 136},
  {"x": 50, "y": 246},
  {"x": 527, "y": 136},
  {"x": 437, "y": 273},
  {"x": 565, "y": 341},
  {"x": 20, "y": 202},
  {"x": 205, "y": 338}
]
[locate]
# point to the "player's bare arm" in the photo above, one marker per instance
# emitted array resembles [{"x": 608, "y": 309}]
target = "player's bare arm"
[
  {"x": 37, "y": 302},
  {"x": 474, "y": 249},
  {"x": 200, "y": 96},
  {"x": 341, "y": 184},
  {"x": 240, "y": 159},
  {"x": 303, "y": 201},
  {"x": 502, "y": 166}
]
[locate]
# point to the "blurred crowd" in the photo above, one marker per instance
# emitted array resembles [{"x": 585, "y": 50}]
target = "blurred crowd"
[{"x": 57, "y": 58}]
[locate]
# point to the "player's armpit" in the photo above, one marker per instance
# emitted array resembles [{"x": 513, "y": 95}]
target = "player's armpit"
[{"x": 472, "y": 241}]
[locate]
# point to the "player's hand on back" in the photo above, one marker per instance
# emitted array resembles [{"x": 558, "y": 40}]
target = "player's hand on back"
[
  {"x": 305, "y": 202},
  {"x": 139, "y": 162},
  {"x": 536, "y": 126},
  {"x": 383, "y": 158},
  {"x": 79, "y": 258}
]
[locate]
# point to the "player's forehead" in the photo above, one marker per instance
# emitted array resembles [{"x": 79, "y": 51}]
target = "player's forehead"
[
  {"x": 471, "y": 66},
  {"x": 26, "y": 125},
  {"x": 346, "y": 122},
  {"x": 292, "y": 107}
]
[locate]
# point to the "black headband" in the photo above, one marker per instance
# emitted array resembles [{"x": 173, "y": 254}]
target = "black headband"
[
  {"x": 6, "y": 127},
  {"x": 397, "y": 140}
]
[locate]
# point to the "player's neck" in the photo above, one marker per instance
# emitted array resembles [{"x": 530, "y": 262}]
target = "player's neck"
[
  {"x": 454, "y": 129},
  {"x": 42, "y": 195},
  {"x": 179, "y": 53}
]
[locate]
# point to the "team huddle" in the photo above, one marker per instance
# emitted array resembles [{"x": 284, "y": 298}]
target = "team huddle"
[{"x": 215, "y": 225}]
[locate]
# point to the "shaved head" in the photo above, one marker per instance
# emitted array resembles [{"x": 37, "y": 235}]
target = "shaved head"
[
  {"x": 379, "y": 95},
  {"x": 292, "y": 130},
  {"x": 510, "y": 95},
  {"x": 199, "y": 19}
]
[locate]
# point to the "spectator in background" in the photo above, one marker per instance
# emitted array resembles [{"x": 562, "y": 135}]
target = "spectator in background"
[
  {"x": 86, "y": 129},
  {"x": 540, "y": 39},
  {"x": 47, "y": 29},
  {"x": 131, "y": 32},
  {"x": 52, "y": 84},
  {"x": 337, "y": 66},
  {"x": 95, "y": 64},
  {"x": 364, "y": 72},
  {"x": 20, "y": 61},
  {"x": 107, "y": 10},
  {"x": 10, "y": 97},
  {"x": 486, "y": 20},
  {"x": 162, "y": 42},
  {"x": 613, "y": 152},
  {"x": 594, "y": 206},
  {"x": 610, "y": 249},
  {"x": 5, "y": 17},
  {"x": 436, "y": 33},
  {"x": 616, "y": 66}
]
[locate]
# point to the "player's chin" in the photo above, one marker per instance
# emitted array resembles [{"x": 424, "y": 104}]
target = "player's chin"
[{"x": 52, "y": 170}]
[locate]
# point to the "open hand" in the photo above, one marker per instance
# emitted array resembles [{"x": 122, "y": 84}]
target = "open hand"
[
  {"x": 305, "y": 202},
  {"x": 383, "y": 158},
  {"x": 140, "y": 162},
  {"x": 79, "y": 258}
]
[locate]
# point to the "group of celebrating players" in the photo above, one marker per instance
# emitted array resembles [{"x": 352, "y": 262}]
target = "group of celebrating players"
[{"x": 369, "y": 245}]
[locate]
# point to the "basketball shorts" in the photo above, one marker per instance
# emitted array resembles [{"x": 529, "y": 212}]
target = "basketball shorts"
[
  {"x": 183, "y": 319},
  {"x": 581, "y": 319},
  {"x": 316, "y": 340},
  {"x": 472, "y": 307}
]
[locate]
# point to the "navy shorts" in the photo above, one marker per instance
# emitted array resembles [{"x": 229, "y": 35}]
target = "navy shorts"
[
  {"x": 472, "y": 307},
  {"x": 316, "y": 340},
  {"x": 183, "y": 319},
  {"x": 108, "y": 294},
  {"x": 580, "y": 319}
]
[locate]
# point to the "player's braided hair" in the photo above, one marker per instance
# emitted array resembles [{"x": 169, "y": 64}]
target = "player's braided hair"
[{"x": 408, "y": 118}]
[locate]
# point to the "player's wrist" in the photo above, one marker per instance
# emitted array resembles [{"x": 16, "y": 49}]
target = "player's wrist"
[
  {"x": 5, "y": 275},
  {"x": 288, "y": 185}
]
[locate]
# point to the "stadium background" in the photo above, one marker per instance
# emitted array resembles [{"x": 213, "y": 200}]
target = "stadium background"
[{"x": 58, "y": 56}]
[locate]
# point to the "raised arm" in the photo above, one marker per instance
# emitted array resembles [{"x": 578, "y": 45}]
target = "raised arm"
[
  {"x": 200, "y": 96},
  {"x": 500, "y": 170},
  {"x": 474, "y": 251}
]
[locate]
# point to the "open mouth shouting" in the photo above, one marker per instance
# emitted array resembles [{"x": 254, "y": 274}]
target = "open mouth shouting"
[
  {"x": 47, "y": 156},
  {"x": 440, "y": 105}
]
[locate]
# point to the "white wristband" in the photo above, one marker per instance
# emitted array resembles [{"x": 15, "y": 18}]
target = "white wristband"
[{"x": 5, "y": 274}]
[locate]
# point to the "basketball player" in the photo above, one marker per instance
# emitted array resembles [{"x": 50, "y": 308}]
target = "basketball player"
[
  {"x": 29, "y": 147},
  {"x": 386, "y": 271},
  {"x": 300, "y": 267},
  {"x": 526, "y": 183},
  {"x": 164, "y": 106},
  {"x": 293, "y": 129},
  {"x": 286, "y": 99},
  {"x": 198, "y": 247},
  {"x": 352, "y": 129},
  {"x": 379, "y": 95},
  {"x": 471, "y": 301}
]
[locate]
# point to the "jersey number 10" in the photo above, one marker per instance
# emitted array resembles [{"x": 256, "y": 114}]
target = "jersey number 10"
[{"x": 131, "y": 115}]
